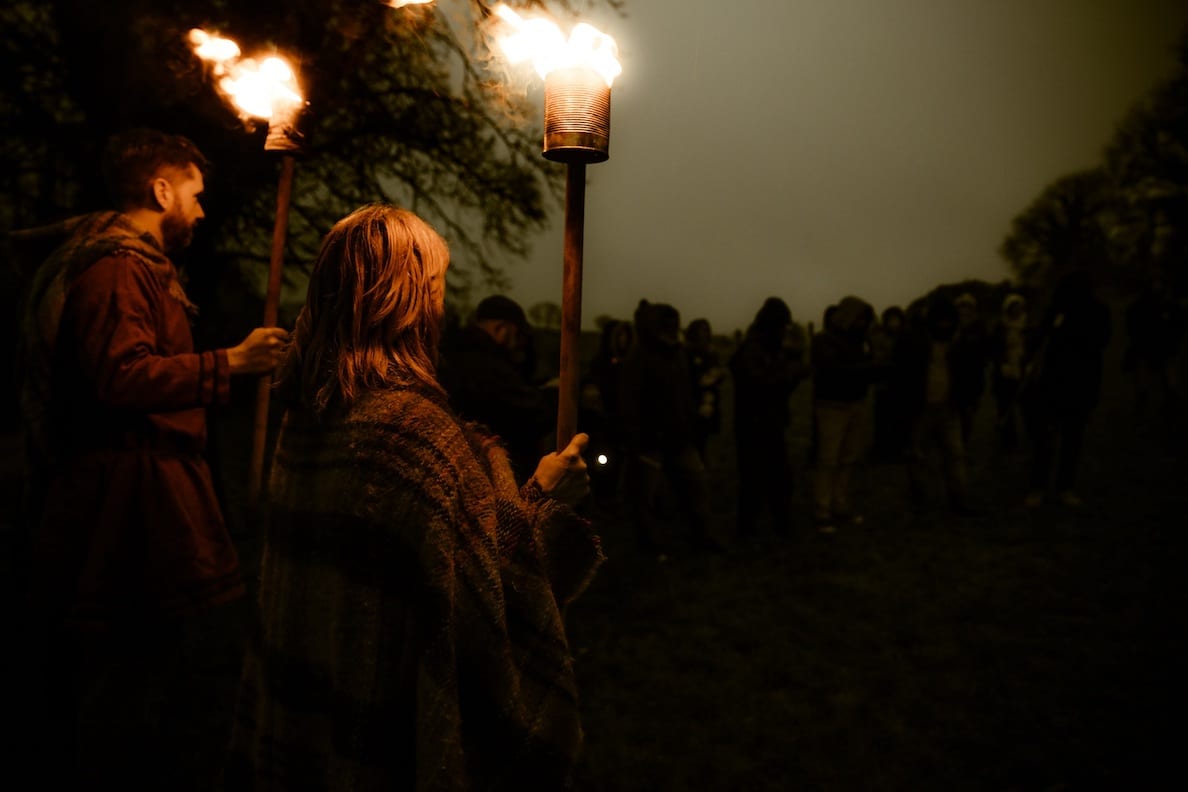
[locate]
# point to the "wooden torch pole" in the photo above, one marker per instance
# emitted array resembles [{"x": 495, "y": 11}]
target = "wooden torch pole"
[
  {"x": 271, "y": 304},
  {"x": 569, "y": 388}
]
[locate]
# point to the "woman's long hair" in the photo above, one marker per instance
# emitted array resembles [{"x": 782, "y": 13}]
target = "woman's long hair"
[{"x": 373, "y": 311}]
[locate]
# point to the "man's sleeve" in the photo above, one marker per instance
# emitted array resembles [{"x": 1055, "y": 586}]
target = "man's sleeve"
[{"x": 113, "y": 314}]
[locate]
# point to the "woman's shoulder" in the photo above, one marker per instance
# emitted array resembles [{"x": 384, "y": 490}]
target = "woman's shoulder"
[{"x": 404, "y": 409}]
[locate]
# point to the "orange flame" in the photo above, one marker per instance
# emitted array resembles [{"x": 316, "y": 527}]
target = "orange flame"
[
  {"x": 257, "y": 88},
  {"x": 542, "y": 42},
  {"x": 403, "y": 3}
]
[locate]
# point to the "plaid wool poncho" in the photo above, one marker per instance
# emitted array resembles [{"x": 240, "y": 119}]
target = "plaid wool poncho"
[{"x": 411, "y": 600}]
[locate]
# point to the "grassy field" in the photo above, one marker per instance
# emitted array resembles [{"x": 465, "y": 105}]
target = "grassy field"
[{"x": 1016, "y": 650}]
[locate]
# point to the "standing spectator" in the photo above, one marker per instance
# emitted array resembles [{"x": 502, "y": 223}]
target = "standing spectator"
[
  {"x": 971, "y": 347},
  {"x": 411, "y": 592},
  {"x": 657, "y": 413},
  {"x": 842, "y": 373},
  {"x": 615, "y": 343},
  {"x": 487, "y": 370},
  {"x": 705, "y": 378},
  {"x": 929, "y": 367},
  {"x": 827, "y": 319},
  {"x": 606, "y": 432},
  {"x": 1008, "y": 351},
  {"x": 1154, "y": 325},
  {"x": 890, "y": 421},
  {"x": 1063, "y": 385},
  {"x": 133, "y": 573},
  {"x": 766, "y": 368}
]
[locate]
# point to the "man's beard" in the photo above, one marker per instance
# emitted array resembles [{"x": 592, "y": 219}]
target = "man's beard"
[{"x": 176, "y": 231}]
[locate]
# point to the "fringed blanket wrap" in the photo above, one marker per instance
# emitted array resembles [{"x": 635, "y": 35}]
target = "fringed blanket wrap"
[{"x": 411, "y": 602}]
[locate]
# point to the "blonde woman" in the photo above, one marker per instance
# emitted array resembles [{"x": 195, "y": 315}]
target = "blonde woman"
[{"x": 411, "y": 595}]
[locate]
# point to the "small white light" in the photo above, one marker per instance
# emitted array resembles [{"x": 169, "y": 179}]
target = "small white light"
[{"x": 602, "y": 459}]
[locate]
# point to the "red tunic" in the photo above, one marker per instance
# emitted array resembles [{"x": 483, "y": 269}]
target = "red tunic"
[{"x": 132, "y": 527}]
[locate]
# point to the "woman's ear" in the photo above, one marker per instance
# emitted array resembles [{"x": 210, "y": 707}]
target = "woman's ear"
[{"x": 163, "y": 192}]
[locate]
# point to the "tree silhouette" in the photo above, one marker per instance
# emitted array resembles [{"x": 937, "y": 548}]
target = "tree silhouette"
[
  {"x": 1126, "y": 220},
  {"x": 1147, "y": 162},
  {"x": 1061, "y": 230},
  {"x": 546, "y": 315}
]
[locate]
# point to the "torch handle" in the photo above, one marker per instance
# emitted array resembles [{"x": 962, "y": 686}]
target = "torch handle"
[
  {"x": 271, "y": 306},
  {"x": 571, "y": 305}
]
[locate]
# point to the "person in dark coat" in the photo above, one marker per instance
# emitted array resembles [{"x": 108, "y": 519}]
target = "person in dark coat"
[
  {"x": 605, "y": 425},
  {"x": 1154, "y": 325},
  {"x": 765, "y": 370},
  {"x": 657, "y": 411},
  {"x": 1009, "y": 343},
  {"x": 486, "y": 370},
  {"x": 1063, "y": 385},
  {"x": 891, "y": 425},
  {"x": 971, "y": 358},
  {"x": 929, "y": 368},
  {"x": 705, "y": 381}
]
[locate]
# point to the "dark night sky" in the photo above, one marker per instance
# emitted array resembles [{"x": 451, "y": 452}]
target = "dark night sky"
[{"x": 816, "y": 148}]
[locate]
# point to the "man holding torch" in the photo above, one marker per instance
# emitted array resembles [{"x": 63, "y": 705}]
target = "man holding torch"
[{"x": 130, "y": 552}]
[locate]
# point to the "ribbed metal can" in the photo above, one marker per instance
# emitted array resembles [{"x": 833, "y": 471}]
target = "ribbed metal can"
[
  {"x": 577, "y": 116},
  {"x": 283, "y": 131}
]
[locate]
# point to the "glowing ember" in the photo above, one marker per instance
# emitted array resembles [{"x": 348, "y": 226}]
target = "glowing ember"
[
  {"x": 257, "y": 88},
  {"x": 542, "y": 42}
]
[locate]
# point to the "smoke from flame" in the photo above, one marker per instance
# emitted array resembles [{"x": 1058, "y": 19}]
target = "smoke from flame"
[
  {"x": 257, "y": 88},
  {"x": 542, "y": 42}
]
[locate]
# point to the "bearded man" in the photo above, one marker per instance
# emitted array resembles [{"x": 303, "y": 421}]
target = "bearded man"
[{"x": 131, "y": 569}]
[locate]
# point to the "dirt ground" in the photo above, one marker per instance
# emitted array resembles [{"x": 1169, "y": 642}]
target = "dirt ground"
[{"x": 1020, "y": 649}]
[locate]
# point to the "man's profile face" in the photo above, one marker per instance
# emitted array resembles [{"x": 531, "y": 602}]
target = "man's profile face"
[{"x": 177, "y": 226}]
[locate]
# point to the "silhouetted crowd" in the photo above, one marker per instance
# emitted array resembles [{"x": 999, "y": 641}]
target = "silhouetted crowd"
[{"x": 903, "y": 387}]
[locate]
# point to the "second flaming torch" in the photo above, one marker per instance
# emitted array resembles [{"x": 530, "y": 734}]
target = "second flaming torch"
[
  {"x": 577, "y": 132},
  {"x": 578, "y": 73}
]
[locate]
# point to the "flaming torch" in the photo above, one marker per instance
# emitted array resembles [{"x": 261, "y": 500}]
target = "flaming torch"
[
  {"x": 578, "y": 73},
  {"x": 264, "y": 89}
]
